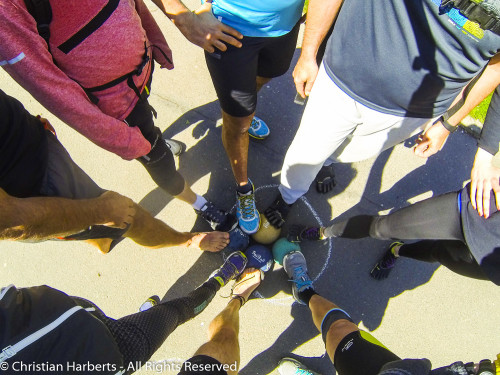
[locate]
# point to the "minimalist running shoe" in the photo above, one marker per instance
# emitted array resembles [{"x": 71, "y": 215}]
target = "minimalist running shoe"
[
  {"x": 175, "y": 147},
  {"x": 233, "y": 266},
  {"x": 258, "y": 129},
  {"x": 218, "y": 219},
  {"x": 296, "y": 268},
  {"x": 290, "y": 366},
  {"x": 150, "y": 302},
  {"x": 246, "y": 211},
  {"x": 384, "y": 266},
  {"x": 277, "y": 212}
]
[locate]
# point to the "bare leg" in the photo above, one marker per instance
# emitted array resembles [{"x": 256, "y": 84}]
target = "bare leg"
[
  {"x": 223, "y": 344},
  {"x": 150, "y": 232},
  {"x": 187, "y": 195},
  {"x": 235, "y": 141},
  {"x": 338, "y": 330}
]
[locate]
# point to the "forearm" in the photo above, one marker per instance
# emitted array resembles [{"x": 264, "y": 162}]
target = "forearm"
[
  {"x": 46, "y": 217},
  {"x": 320, "y": 17},
  {"x": 487, "y": 82},
  {"x": 490, "y": 135},
  {"x": 175, "y": 10}
]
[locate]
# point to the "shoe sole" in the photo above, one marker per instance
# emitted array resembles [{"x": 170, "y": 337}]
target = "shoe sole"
[
  {"x": 182, "y": 146},
  {"x": 258, "y": 138}
]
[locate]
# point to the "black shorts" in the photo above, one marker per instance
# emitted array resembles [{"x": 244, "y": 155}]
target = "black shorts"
[
  {"x": 359, "y": 353},
  {"x": 234, "y": 71},
  {"x": 202, "y": 365},
  {"x": 65, "y": 179}
]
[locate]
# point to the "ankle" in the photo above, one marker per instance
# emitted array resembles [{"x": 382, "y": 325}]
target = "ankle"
[
  {"x": 245, "y": 188},
  {"x": 307, "y": 294}
]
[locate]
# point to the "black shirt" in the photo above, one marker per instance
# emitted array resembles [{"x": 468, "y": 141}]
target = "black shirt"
[{"x": 23, "y": 145}]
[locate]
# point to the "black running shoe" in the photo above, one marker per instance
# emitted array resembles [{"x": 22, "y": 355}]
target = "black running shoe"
[
  {"x": 325, "y": 180},
  {"x": 218, "y": 219},
  {"x": 384, "y": 266},
  {"x": 277, "y": 212}
]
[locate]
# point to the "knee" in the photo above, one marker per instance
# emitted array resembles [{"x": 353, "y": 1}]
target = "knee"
[{"x": 236, "y": 126}]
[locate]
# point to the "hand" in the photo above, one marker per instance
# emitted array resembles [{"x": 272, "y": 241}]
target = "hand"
[
  {"x": 304, "y": 75},
  {"x": 204, "y": 30},
  {"x": 431, "y": 141},
  {"x": 118, "y": 211},
  {"x": 484, "y": 178}
]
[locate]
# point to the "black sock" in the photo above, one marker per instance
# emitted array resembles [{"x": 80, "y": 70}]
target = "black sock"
[
  {"x": 244, "y": 189},
  {"x": 306, "y": 295}
]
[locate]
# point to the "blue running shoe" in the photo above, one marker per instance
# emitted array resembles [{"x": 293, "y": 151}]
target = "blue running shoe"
[
  {"x": 246, "y": 212},
  {"x": 290, "y": 366},
  {"x": 232, "y": 267},
  {"x": 296, "y": 269},
  {"x": 258, "y": 129}
]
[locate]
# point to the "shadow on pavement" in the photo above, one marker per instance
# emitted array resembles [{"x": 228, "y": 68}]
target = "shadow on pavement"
[{"x": 340, "y": 268}]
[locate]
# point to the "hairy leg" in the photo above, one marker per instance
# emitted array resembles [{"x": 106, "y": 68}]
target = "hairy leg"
[
  {"x": 151, "y": 232},
  {"x": 235, "y": 141},
  {"x": 223, "y": 344},
  {"x": 320, "y": 306}
]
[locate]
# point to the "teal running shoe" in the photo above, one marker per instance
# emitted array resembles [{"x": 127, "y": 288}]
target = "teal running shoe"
[{"x": 290, "y": 366}]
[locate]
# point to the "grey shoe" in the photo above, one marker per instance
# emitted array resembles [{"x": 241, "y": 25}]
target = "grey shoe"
[
  {"x": 175, "y": 147},
  {"x": 296, "y": 268},
  {"x": 290, "y": 366}
]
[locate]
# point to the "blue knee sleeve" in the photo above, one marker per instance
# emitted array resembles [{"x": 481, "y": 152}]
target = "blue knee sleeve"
[{"x": 331, "y": 317}]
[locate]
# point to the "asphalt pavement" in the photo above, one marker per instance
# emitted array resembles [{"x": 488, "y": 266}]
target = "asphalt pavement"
[{"x": 422, "y": 310}]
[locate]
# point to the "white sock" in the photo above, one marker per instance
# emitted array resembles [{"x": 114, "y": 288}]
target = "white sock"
[{"x": 199, "y": 202}]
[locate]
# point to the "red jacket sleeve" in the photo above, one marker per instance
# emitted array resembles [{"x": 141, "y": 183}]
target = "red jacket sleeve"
[
  {"x": 26, "y": 58},
  {"x": 161, "y": 51}
]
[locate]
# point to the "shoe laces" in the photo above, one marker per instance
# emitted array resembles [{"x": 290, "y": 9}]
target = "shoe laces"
[
  {"x": 247, "y": 205},
  {"x": 255, "y": 124},
  {"x": 212, "y": 213},
  {"x": 301, "y": 371},
  {"x": 300, "y": 278},
  {"x": 228, "y": 269}
]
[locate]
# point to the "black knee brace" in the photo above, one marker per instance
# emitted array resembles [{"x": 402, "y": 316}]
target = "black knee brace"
[
  {"x": 331, "y": 317},
  {"x": 160, "y": 164}
]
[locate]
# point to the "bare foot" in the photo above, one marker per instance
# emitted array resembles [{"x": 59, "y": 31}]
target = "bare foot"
[
  {"x": 102, "y": 244},
  {"x": 246, "y": 283},
  {"x": 210, "y": 241}
]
